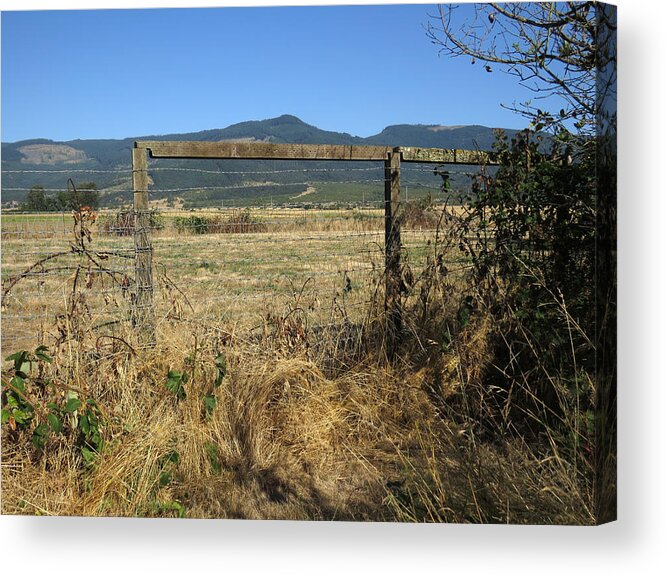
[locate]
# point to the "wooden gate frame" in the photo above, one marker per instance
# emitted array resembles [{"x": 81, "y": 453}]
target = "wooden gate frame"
[{"x": 144, "y": 312}]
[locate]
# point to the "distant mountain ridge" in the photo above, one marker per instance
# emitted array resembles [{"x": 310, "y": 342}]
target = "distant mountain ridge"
[
  {"x": 283, "y": 129},
  {"x": 115, "y": 154}
]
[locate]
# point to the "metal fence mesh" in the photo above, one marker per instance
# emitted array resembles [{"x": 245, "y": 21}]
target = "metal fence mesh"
[
  {"x": 280, "y": 240},
  {"x": 45, "y": 273}
]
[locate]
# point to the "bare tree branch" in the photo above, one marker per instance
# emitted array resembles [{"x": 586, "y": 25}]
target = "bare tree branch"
[{"x": 551, "y": 47}]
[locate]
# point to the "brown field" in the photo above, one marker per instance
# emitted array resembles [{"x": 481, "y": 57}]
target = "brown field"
[{"x": 330, "y": 260}]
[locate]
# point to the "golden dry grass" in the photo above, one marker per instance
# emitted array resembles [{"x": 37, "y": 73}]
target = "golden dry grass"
[
  {"x": 235, "y": 278},
  {"x": 286, "y": 440}
]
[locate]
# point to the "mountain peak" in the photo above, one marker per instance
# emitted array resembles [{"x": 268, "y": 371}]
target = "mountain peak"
[{"x": 286, "y": 119}]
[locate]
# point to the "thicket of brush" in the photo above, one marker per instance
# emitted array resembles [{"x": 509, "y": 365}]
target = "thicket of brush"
[
  {"x": 487, "y": 414},
  {"x": 238, "y": 222}
]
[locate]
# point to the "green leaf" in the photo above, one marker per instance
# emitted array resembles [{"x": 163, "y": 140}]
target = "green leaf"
[
  {"x": 179, "y": 508},
  {"x": 92, "y": 418},
  {"x": 210, "y": 401},
  {"x": 96, "y": 439},
  {"x": 173, "y": 457},
  {"x": 84, "y": 425},
  {"x": 160, "y": 507},
  {"x": 40, "y": 435},
  {"x": 5, "y": 416},
  {"x": 72, "y": 404},
  {"x": 175, "y": 383},
  {"x": 165, "y": 478},
  {"x": 19, "y": 383},
  {"x": 18, "y": 358},
  {"x": 221, "y": 364},
  {"x": 176, "y": 506},
  {"x": 24, "y": 368},
  {"x": 21, "y": 417},
  {"x": 54, "y": 422},
  {"x": 88, "y": 455},
  {"x": 213, "y": 454},
  {"x": 40, "y": 352},
  {"x": 17, "y": 355}
]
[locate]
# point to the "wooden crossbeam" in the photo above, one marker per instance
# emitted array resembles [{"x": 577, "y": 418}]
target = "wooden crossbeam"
[{"x": 265, "y": 151}]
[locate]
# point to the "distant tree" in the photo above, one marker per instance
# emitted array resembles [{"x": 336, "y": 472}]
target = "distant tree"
[
  {"x": 62, "y": 201},
  {"x": 86, "y": 195},
  {"x": 36, "y": 200}
]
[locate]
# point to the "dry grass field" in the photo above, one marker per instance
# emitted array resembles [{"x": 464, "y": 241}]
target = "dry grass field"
[
  {"x": 328, "y": 262},
  {"x": 268, "y": 393}
]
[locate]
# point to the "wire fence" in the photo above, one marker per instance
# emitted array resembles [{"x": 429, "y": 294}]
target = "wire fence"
[{"x": 238, "y": 248}]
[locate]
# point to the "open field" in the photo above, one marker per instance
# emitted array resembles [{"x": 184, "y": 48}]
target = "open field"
[{"x": 328, "y": 262}]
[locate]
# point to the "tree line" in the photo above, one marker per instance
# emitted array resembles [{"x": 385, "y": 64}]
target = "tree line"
[{"x": 38, "y": 200}]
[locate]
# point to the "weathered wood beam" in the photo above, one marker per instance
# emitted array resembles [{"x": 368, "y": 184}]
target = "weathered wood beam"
[
  {"x": 392, "y": 246},
  {"x": 262, "y": 151},
  {"x": 143, "y": 313},
  {"x": 265, "y": 151}
]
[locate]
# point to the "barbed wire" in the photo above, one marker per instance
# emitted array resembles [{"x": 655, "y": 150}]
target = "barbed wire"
[
  {"x": 246, "y": 186},
  {"x": 406, "y": 167},
  {"x": 253, "y": 185},
  {"x": 91, "y": 171}
]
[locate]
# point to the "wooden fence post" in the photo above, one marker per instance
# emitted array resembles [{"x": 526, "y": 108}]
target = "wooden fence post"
[
  {"x": 143, "y": 311},
  {"x": 392, "y": 245}
]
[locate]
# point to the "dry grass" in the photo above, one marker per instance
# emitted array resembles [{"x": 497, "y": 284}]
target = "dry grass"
[
  {"x": 287, "y": 439},
  {"x": 310, "y": 423},
  {"x": 235, "y": 278}
]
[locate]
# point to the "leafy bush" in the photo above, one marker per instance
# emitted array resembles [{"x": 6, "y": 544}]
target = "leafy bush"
[
  {"x": 419, "y": 214},
  {"x": 238, "y": 222},
  {"x": 196, "y": 224},
  {"x": 34, "y": 404},
  {"x": 529, "y": 236}
]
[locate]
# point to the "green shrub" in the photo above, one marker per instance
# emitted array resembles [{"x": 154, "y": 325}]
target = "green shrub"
[{"x": 238, "y": 222}]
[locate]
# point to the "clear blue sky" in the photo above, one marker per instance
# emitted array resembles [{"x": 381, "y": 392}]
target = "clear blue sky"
[{"x": 126, "y": 73}]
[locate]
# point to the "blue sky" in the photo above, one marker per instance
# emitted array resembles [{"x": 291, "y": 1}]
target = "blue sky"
[{"x": 125, "y": 73}]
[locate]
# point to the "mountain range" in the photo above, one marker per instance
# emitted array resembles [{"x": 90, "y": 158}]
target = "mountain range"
[{"x": 107, "y": 162}]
